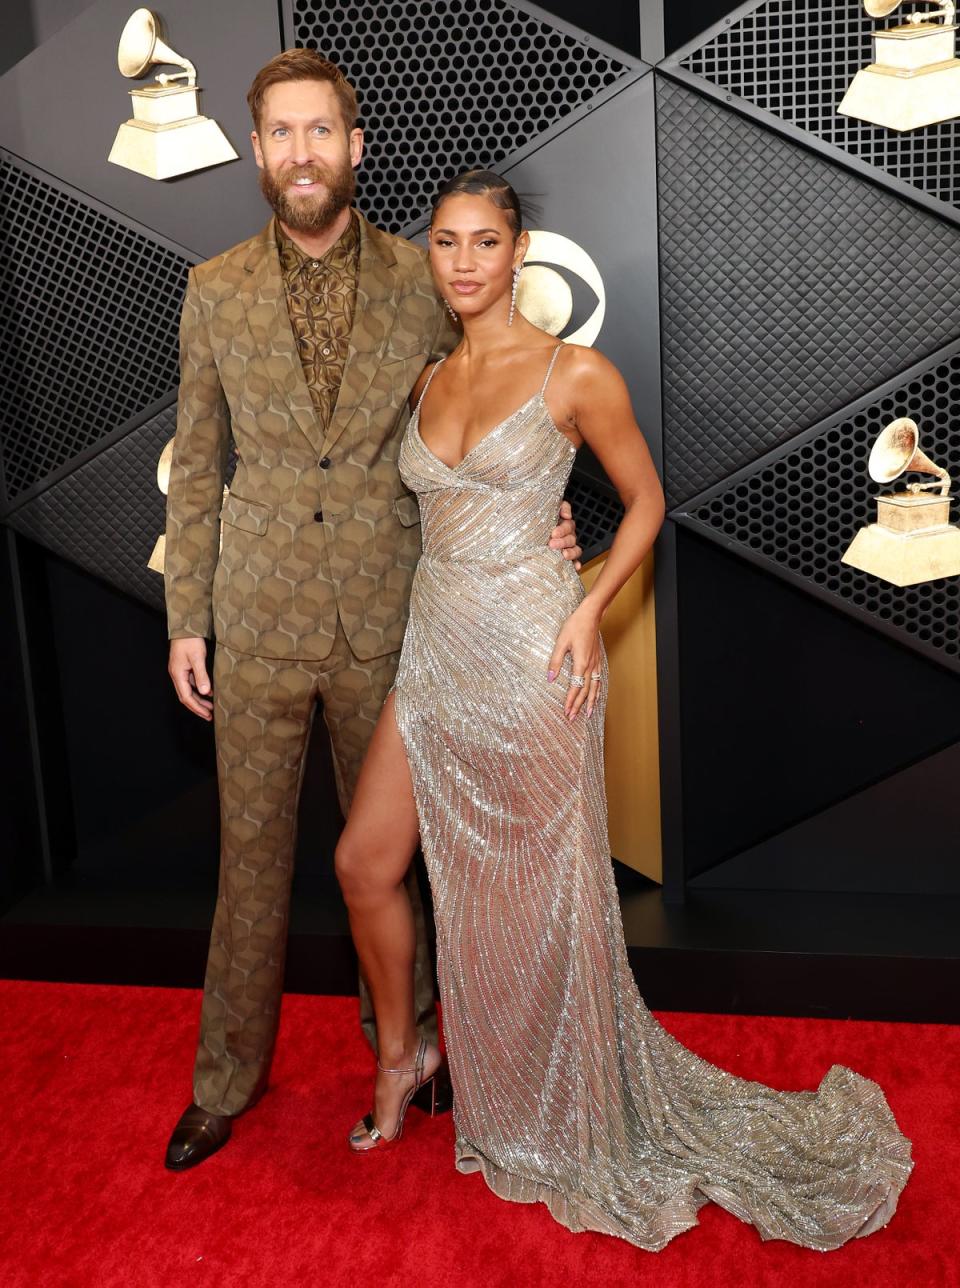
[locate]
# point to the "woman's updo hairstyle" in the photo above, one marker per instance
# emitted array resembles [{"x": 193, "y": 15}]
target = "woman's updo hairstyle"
[{"x": 484, "y": 183}]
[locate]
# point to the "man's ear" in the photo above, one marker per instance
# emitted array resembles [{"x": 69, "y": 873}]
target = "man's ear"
[
  {"x": 257, "y": 150},
  {"x": 356, "y": 147}
]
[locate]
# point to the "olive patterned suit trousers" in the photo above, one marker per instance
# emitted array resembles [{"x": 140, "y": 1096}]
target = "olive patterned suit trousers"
[{"x": 302, "y": 572}]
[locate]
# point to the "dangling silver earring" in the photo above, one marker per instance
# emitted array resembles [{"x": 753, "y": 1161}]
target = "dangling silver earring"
[
  {"x": 454, "y": 315},
  {"x": 513, "y": 294}
]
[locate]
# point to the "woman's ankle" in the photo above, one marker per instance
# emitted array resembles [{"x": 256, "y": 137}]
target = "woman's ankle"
[{"x": 399, "y": 1053}]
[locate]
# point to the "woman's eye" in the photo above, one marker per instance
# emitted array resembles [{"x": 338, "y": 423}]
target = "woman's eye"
[{"x": 489, "y": 242}]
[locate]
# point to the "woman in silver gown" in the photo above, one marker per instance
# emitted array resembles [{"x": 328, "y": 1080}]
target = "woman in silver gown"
[{"x": 566, "y": 1090}]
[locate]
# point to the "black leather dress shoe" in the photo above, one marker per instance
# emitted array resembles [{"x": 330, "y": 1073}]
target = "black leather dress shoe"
[
  {"x": 196, "y": 1136},
  {"x": 444, "y": 1093}
]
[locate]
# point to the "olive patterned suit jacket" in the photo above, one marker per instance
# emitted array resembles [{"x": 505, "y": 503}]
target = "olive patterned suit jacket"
[{"x": 317, "y": 522}]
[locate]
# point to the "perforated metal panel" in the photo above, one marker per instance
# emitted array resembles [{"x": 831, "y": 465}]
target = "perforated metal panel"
[
  {"x": 88, "y": 331},
  {"x": 801, "y": 511},
  {"x": 796, "y": 59},
  {"x": 447, "y": 85},
  {"x": 789, "y": 288},
  {"x": 596, "y": 510}
]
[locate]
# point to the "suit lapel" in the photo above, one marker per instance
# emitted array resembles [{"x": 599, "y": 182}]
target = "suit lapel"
[
  {"x": 373, "y": 318},
  {"x": 265, "y": 303}
]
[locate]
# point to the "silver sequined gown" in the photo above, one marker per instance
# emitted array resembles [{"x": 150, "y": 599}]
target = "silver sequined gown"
[{"x": 566, "y": 1089}]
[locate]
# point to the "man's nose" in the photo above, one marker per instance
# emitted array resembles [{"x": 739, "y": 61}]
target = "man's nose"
[{"x": 301, "y": 154}]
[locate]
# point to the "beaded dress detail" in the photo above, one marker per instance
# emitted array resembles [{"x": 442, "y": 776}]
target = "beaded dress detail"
[{"x": 566, "y": 1090}]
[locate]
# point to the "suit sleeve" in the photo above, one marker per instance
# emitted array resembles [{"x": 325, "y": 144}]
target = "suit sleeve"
[{"x": 197, "y": 476}]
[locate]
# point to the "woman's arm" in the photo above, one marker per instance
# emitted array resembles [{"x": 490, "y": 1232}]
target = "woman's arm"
[{"x": 598, "y": 409}]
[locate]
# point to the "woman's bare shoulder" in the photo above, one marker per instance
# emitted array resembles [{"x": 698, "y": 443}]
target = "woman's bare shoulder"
[
  {"x": 582, "y": 368},
  {"x": 421, "y": 382}
]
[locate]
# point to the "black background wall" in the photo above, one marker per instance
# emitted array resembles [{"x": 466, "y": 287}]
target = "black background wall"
[
  {"x": 120, "y": 778},
  {"x": 810, "y": 718}
]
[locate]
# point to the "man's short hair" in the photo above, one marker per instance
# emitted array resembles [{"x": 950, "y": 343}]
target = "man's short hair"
[{"x": 301, "y": 65}]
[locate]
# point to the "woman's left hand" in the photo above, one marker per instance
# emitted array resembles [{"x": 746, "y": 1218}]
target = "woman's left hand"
[{"x": 580, "y": 637}]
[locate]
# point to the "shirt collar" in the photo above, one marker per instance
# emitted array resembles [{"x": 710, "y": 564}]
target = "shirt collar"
[{"x": 340, "y": 258}]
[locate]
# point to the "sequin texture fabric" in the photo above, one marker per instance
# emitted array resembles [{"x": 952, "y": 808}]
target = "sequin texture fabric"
[{"x": 567, "y": 1091}]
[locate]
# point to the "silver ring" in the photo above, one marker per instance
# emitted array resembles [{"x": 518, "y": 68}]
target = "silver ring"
[
  {"x": 596, "y": 676},
  {"x": 577, "y": 681}
]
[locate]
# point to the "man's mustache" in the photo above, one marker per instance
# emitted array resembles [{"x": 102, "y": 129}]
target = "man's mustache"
[{"x": 315, "y": 173}]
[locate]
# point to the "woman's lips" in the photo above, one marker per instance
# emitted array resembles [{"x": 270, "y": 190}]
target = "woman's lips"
[{"x": 466, "y": 288}]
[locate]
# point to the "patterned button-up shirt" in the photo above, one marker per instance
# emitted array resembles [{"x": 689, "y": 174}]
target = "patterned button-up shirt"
[{"x": 321, "y": 294}]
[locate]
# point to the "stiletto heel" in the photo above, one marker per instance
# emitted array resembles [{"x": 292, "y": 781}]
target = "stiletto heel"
[{"x": 369, "y": 1127}]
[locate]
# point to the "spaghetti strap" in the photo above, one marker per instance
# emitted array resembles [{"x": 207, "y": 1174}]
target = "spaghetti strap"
[
  {"x": 556, "y": 354},
  {"x": 423, "y": 391}
]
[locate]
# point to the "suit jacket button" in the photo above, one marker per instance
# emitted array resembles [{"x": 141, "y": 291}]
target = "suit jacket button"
[
  {"x": 325, "y": 463},
  {"x": 319, "y": 516}
]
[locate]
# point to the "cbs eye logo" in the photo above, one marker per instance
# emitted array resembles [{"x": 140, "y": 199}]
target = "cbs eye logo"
[{"x": 544, "y": 296}]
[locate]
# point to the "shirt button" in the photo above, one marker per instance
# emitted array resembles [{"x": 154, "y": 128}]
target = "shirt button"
[
  {"x": 316, "y": 299},
  {"x": 326, "y": 351},
  {"x": 314, "y": 263},
  {"x": 319, "y": 516},
  {"x": 325, "y": 463}
]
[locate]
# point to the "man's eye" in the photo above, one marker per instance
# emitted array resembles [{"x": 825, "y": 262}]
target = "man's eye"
[
  {"x": 278, "y": 132},
  {"x": 322, "y": 129}
]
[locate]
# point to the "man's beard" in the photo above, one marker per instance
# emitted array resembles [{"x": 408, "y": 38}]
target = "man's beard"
[{"x": 317, "y": 212}]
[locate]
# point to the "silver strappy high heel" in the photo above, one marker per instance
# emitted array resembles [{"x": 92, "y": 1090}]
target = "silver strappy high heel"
[{"x": 367, "y": 1127}]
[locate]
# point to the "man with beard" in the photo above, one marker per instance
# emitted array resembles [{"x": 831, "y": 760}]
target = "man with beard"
[{"x": 301, "y": 347}]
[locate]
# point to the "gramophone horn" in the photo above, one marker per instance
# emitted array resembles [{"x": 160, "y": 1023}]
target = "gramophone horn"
[
  {"x": 140, "y": 47},
  {"x": 896, "y": 452},
  {"x": 880, "y": 8}
]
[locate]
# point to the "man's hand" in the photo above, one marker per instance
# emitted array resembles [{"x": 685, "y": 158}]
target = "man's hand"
[
  {"x": 564, "y": 536},
  {"x": 188, "y": 671}
]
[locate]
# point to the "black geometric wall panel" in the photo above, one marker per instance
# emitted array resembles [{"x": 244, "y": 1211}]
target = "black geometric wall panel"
[
  {"x": 447, "y": 86},
  {"x": 796, "y": 59},
  {"x": 799, "y": 509},
  {"x": 789, "y": 707},
  {"x": 789, "y": 287},
  {"x": 867, "y": 842},
  {"x": 106, "y": 514},
  {"x": 88, "y": 333}
]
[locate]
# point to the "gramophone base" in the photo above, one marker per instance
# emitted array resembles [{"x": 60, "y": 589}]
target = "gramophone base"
[
  {"x": 904, "y": 101},
  {"x": 163, "y": 151},
  {"x": 906, "y": 559},
  {"x": 157, "y": 559}
]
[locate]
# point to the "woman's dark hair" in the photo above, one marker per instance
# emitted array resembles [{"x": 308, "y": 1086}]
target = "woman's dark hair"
[{"x": 484, "y": 183}]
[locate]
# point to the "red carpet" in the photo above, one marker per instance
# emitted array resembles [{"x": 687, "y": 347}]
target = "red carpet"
[{"x": 94, "y": 1078}]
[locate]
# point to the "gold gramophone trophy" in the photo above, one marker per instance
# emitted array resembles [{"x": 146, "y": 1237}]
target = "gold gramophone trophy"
[
  {"x": 913, "y": 539},
  {"x": 167, "y": 135},
  {"x": 914, "y": 79}
]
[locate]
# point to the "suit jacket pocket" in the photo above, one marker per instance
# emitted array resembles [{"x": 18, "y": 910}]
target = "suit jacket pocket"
[
  {"x": 248, "y": 516},
  {"x": 408, "y": 512}
]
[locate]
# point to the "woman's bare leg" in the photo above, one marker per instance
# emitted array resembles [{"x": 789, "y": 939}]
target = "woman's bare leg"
[{"x": 372, "y": 859}]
